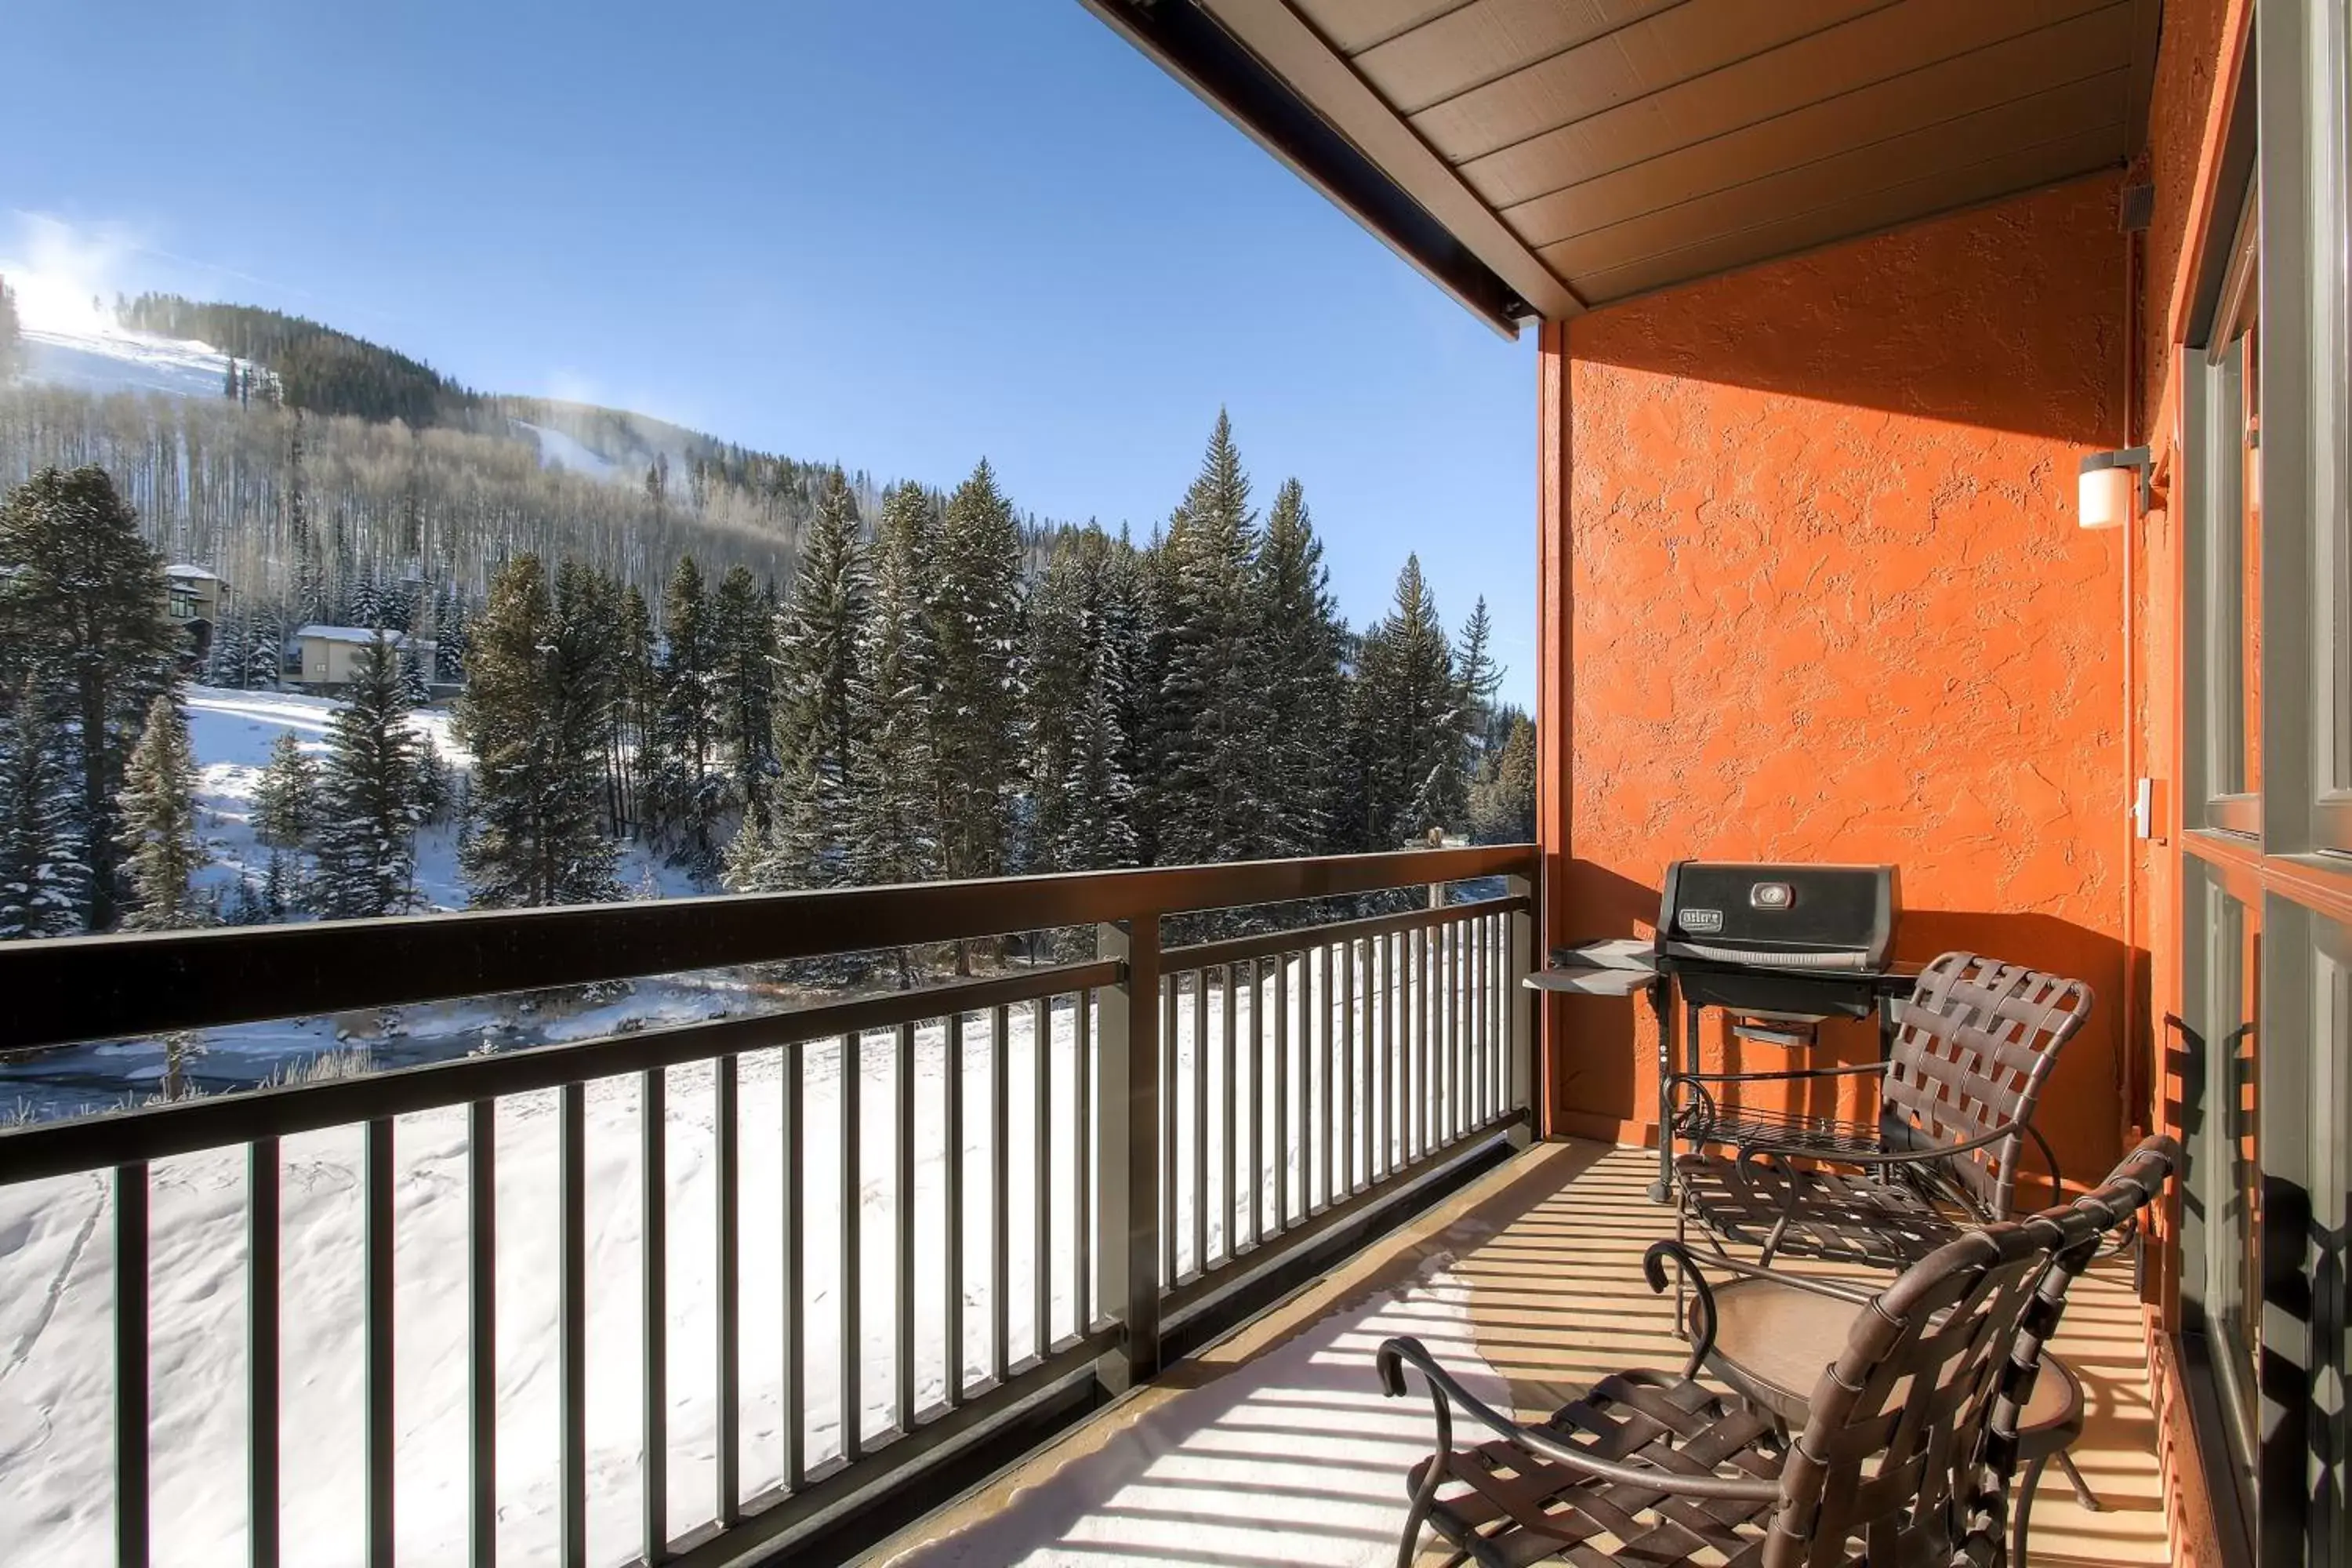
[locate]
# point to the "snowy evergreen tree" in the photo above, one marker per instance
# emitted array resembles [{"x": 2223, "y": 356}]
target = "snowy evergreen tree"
[
  {"x": 1213, "y": 726},
  {"x": 636, "y": 707},
  {"x": 158, "y": 835},
  {"x": 746, "y": 638},
  {"x": 285, "y": 802},
  {"x": 534, "y": 720},
  {"x": 686, "y": 788},
  {"x": 1302, "y": 695},
  {"x": 82, "y": 621},
  {"x": 436, "y": 786},
  {"x": 1082, "y": 806},
  {"x": 806, "y": 841},
  {"x": 265, "y": 649},
  {"x": 1503, "y": 796},
  {"x": 368, "y": 810},
  {"x": 1481, "y": 678},
  {"x": 1407, "y": 723},
  {"x": 976, "y": 714},
  {"x": 894, "y": 777},
  {"x": 43, "y": 874}
]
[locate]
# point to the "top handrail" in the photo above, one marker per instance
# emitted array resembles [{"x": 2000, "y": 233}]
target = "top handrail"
[{"x": 78, "y": 989}]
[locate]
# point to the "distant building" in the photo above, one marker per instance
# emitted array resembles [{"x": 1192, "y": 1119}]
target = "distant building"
[
  {"x": 194, "y": 597},
  {"x": 325, "y": 656}
]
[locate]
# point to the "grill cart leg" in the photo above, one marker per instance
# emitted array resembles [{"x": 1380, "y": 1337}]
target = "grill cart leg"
[{"x": 1663, "y": 1189}]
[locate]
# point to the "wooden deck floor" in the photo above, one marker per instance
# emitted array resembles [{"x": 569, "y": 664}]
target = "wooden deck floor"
[{"x": 1275, "y": 1446}]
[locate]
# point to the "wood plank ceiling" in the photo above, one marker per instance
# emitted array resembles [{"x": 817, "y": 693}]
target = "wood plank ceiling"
[{"x": 1591, "y": 150}]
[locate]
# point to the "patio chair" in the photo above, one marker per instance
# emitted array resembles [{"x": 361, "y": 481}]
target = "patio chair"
[
  {"x": 1906, "y": 1454},
  {"x": 1976, "y": 1042}
]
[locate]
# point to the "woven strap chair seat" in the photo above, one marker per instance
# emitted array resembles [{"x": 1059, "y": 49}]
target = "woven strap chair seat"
[
  {"x": 1840, "y": 1216},
  {"x": 1512, "y": 1508}
]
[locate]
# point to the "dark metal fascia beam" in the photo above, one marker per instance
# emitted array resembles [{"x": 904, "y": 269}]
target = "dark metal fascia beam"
[{"x": 1191, "y": 46}]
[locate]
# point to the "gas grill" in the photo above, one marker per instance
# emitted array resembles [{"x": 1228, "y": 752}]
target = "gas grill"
[{"x": 1776, "y": 948}]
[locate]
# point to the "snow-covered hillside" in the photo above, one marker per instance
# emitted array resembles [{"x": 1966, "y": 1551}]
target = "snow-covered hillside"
[{"x": 101, "y": 358}]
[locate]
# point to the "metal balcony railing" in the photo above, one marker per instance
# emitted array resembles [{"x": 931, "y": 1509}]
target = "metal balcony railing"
[{"x": 1237, "y": 1107}]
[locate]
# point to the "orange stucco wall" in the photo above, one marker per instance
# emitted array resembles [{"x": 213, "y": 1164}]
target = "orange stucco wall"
[{"x": 1825, "y": 598}]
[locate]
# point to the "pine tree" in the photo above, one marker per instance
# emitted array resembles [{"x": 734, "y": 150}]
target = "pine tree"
[
  {"x": 893, "y": 773},
  {"x": 1502, "y": 796},
  {"x": 1082, "y": 802},
  {"x": 637, "y": 701},
  {"x": 1481, "y": 678},
  {"x": 82, "y": 619},
  {"x": 436, "y": 787},
  {"x": 1212, "y": 728},
  {"x": 688, "y": 792},
  {"x": 43, "y": 875},
  {"x": 806, "y": 843},
  {"x": 976, "y": 714},
  {"x": 285, "y": 800},
  {"x": 1407, "y": 723},
  {"x": 1302, "y": 695},
  {"x": 746, "y": 638},
  {"x": 368, "y": 809},
  {"x": 533, "y": 715},
  {"x": 158, "y": 833}
]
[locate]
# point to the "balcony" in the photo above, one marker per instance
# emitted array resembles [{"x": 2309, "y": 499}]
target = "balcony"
[
  {"x": 605, "y": 1300},
  {"x": 1275, "y": 1446}
]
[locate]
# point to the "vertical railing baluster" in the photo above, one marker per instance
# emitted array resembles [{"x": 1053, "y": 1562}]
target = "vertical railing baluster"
[
  {"x": 1391, "y": 1055},
  {"x": 1228, "y": 1109},
  {"x": 481, "y": 1330},
  {"x": 572, "y": 1310},
  {"x": 1083, "y": 1160},
  {"x": 1170, "y": 1167},
  {"x": 376, "y": 1229},
  {"x": 853, "y": 1251},
  {"x": 1258, "y": 1102},
  {"x": 903, "y": 1270},
  {"x": 794, "y": 1178},
  {"x": 1452, "y": 1126},
  {"x": 1329, "y": 1069},
  {"x": 1041, "y": 1261},
  {"x": 727, "y": 1325},
  {"x": 262, "y": 1294},
  {"x": 653, "y": 1196},
  {"x": 952, "y": 1177},
  {"x": 1201, "y": 1121},
  {"x": 1349, "y": 1119},
  {"x": 131, "y": 1506},
  {"x": 1000, "y": 1205},
  {"x": 1282, "y": 1144}
]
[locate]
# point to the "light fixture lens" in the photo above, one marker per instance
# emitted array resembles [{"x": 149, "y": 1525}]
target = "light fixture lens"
[{"x": 2103, "y": 497}]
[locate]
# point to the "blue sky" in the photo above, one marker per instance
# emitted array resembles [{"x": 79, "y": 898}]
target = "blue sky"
[{"x": 899, "y": 234}]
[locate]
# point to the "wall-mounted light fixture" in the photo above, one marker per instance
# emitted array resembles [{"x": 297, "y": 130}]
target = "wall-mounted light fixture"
[{"x": 2104, "y": 492}]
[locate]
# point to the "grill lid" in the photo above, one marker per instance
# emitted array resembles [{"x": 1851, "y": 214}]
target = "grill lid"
[{"x": 1778, "y": 916}]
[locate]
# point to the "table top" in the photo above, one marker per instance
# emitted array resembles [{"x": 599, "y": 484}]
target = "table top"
[{"x": 1773, "y": 1340}]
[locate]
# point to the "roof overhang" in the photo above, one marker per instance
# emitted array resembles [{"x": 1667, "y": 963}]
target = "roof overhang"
[{"x": 1538, "y": 157}]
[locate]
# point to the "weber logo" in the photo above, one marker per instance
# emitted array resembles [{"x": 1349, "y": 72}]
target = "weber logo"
[{"x": 1698, "y": 921}]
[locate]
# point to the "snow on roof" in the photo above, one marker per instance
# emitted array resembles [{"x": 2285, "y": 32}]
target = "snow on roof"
[
  {"x": 350, "y": 634},
  {"x": 186, "y": 571}
]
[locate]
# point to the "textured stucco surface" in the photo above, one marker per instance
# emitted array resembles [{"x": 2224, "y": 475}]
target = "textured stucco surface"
[
  {"x": 1827, "y": 602},
  {"x": 2186, "y": 66}
]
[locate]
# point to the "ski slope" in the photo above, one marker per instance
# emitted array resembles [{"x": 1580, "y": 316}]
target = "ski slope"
[{"x": 101, "y": 358}]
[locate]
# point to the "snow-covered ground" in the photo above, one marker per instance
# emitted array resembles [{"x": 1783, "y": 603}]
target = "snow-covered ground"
[
  {"x": 232, "y": 732},
  {"x": 558, "y": 450},
  {"x": 102, "y": 360},
  {"x": 56, "y": 1297}
]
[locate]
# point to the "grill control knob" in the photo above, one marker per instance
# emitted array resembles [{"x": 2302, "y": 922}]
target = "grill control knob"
[{"x": 1771, "y": 895}]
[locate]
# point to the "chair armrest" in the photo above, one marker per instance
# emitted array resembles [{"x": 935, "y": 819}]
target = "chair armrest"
[
  {"x": 1653, "y": 1261},
  {"x": 1445, "y": 1392}
]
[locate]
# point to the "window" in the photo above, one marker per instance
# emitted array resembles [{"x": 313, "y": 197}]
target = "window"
[{"x": 2232, "y": 554}]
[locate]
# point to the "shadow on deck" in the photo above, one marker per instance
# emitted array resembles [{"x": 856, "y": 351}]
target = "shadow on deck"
[{"x": 1275, "y": 1446}]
